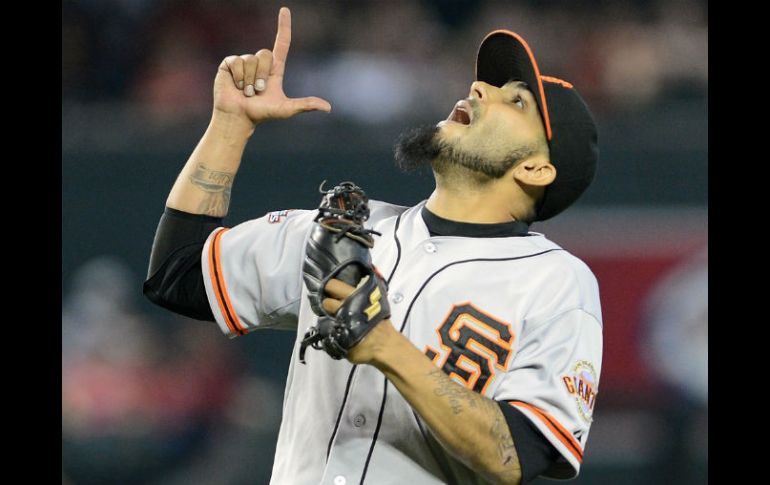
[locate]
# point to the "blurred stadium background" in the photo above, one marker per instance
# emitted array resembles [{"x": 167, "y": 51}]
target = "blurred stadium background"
[{"x": 149, "y": 397}]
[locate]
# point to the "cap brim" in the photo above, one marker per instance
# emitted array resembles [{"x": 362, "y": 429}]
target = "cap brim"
[{"x": 503, "y": 55}]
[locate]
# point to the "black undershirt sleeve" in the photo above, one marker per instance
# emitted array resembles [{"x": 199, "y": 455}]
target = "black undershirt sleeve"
[
  {"x": 536, "y": 453},
  {"x": 175, "y": 277}
]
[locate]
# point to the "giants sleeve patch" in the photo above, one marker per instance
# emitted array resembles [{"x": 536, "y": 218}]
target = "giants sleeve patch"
[
  {"x": 277, "y": 216},
  {"x": 581, "y": 383}
]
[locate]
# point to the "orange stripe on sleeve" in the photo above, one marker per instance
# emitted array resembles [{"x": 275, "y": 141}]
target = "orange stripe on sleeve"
[
  {"x": 220, "y": 290},
  {"x": 557, "y": 429}
]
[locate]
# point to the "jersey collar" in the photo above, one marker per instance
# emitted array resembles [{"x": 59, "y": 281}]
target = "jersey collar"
[{"x": 438, "y": 226}]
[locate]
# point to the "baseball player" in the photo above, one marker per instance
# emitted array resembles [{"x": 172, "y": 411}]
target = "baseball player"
[{"x": 467, "y": 349}]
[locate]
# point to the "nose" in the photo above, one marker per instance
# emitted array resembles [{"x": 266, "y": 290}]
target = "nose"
[{"x": 480, "y": 90}]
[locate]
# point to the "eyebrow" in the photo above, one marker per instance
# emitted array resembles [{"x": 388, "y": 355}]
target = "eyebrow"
[
  {"x": 520, "y": 85},
  {"x": 517, "y": 84}
]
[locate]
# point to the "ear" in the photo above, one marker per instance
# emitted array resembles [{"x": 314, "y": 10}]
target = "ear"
[{"x": 535, "y": 171}]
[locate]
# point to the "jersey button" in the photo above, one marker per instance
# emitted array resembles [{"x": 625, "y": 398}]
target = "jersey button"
[
  {"x": 340, "y": 480},
  {"x": 430, "y": 248},
  {"x": 398, "y": 297},
  {"x": 359, "y": 420}
]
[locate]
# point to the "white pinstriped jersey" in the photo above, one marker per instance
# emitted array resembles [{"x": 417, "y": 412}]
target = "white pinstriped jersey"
[{"x": 517, "y": 319}]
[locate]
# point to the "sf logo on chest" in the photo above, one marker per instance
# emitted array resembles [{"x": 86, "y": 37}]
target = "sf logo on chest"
[{"x": 474, "y": 344}]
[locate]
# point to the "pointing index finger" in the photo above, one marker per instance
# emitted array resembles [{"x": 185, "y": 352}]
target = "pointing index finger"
[{"x": 282, "y": 42}]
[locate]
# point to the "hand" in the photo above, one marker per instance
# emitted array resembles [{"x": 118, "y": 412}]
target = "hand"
[
  {"x": 370, "y": 349},
  {"x": 251, "y": 86}
]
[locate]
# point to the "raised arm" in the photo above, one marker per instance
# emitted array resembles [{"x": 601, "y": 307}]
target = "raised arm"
[{"x": 248, "y": 90}]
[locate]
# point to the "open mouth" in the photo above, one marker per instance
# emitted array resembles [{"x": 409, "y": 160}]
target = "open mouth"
[{"x": 462, "y": 113}]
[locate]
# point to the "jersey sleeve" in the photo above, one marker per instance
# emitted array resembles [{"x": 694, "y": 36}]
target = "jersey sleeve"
[
  {"x": 253, "y": 272},
  {"x": 553, "y": 381}
]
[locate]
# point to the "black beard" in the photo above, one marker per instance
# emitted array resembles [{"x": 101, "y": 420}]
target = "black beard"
[
  {"x": 416, "y": 148},
  {"x": 421, "y": 146}
]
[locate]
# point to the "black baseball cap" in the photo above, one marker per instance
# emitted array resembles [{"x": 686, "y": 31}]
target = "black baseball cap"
[{"x": 569, "y": 126}]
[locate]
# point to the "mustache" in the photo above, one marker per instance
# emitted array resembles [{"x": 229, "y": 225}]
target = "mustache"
[{"x": 474, "y": 107}]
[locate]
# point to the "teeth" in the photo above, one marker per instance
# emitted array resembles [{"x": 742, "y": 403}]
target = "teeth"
[
  {"x": 461, "y": 113},
  {"x": 461, "y": 116}
]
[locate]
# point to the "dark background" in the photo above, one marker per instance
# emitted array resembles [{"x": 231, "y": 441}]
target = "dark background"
[{"x": 149, "y": 397}]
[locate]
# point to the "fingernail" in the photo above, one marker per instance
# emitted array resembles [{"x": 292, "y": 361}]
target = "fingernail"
[
  {"x": 249, "y": 91},
  {"x": 240, "y": 84},
  {"x": 260, "y": 84}
]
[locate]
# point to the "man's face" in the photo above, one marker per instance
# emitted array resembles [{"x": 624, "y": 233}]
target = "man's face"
[{"x": 488, "y": 132}]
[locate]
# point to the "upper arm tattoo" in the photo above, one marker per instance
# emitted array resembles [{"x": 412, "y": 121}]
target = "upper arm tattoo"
[{"x": 218, "y": 186}]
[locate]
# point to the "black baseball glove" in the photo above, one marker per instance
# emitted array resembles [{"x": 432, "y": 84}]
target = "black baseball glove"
[{"x": 338, "y": 247}]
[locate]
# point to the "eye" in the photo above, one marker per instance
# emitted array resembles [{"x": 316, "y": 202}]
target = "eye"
[{"x": 518, "y": 100}]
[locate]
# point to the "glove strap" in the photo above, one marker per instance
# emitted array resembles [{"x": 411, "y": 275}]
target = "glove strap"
[
  {"x": 311, "y": 338},
  {"x": 329, "y": 343}
]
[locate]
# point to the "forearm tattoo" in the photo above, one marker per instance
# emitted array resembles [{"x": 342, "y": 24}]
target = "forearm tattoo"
[
  {"x": 217, "y": 185},
  {"x": 500, "y": 432},
  {"x": 461, "y": 400},
  {"x": 454, "y": 393}
]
